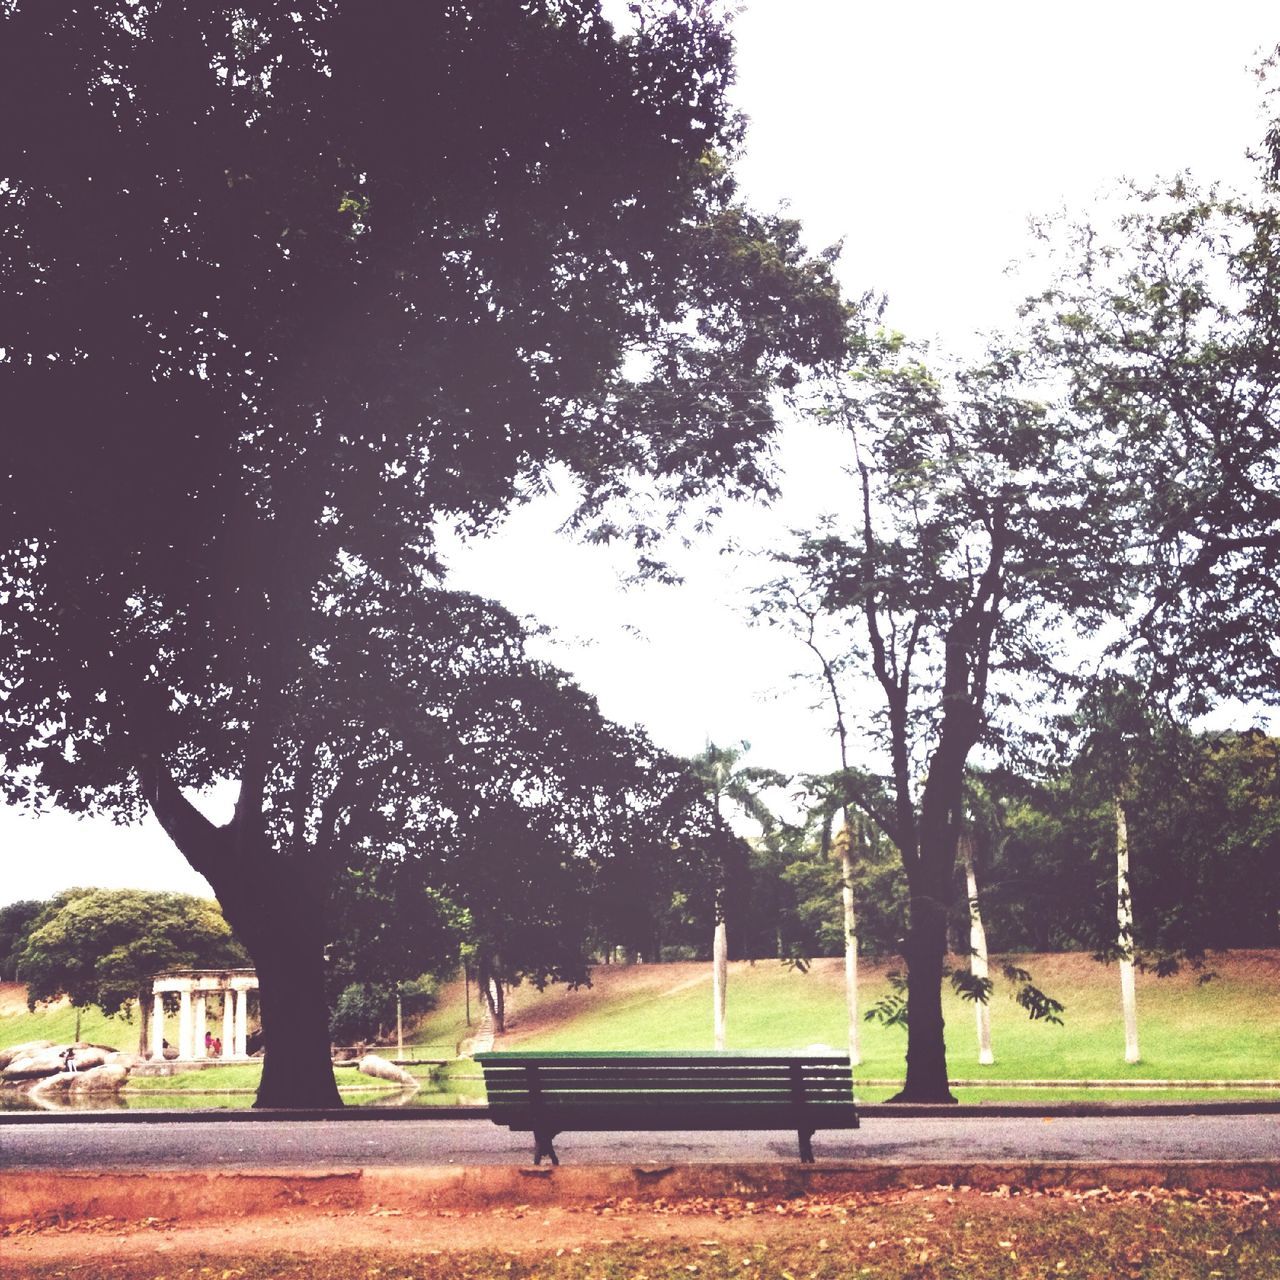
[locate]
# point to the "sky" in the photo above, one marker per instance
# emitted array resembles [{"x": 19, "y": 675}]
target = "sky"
[{"x": 923, "y": 136}]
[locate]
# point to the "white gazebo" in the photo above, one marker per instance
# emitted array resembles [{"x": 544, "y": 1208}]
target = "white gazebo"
[{"x": 194, "y": 987}]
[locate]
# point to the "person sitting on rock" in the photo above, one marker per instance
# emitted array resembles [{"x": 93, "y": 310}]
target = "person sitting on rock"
[{"x": 68, "y": 1056}]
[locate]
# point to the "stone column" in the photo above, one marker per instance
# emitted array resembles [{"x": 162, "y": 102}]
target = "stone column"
[
  {"x": 228, "y": 1023},
  {"x": 201, "y": 1026},
  {"x": 157, "y": 1027},
  {"x": 242, "y": 1024},
  {"x": 185, "y": 1047}
]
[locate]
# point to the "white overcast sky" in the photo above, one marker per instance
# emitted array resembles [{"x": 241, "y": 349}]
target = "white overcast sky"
[{"x": 922, "y": 135}]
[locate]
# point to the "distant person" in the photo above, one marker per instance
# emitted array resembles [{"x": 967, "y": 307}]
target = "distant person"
[
  {"x": 208, "y": 1043},
  {"x": 217, "y": 1046},
  {"x": 68, "y": 1056}
]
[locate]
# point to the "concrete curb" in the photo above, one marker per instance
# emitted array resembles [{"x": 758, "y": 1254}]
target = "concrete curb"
[
  {"x": 868, "y": 1111},
  {"x": 188, "y": 1196}
]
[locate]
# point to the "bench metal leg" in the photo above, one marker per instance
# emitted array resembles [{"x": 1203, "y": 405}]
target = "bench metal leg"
[
  {"x": 542, "y": 1146},
  {"x": 806, "y": 1145}
]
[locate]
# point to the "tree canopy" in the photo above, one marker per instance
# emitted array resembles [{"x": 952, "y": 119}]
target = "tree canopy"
[
  {"x": 287, "y": 287},
  {"x": 1162, "y": 325},
  {"x": 103, "y": 946}
]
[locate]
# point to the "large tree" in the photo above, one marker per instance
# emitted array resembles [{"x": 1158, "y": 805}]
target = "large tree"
[
  {"x": 1164, "y": 326},
  {"x": 979, "y": 524},
  {"x": 286, "y": 287},
  {"x": 103, "y": 946}
]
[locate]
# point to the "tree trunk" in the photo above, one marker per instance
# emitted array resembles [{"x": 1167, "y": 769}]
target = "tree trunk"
[
  {"x": 927, "y": 1079},
  {"x": 719, "y": 981},
  {"x": 1124, "y": 936},
  {"x": 850, "y": 941},
  {"x": 978, "y": 965},
  {"x": 490, "y": 987},
  {"x": 275, "y": 909},
  {"x": 297, "y": 1069},
  {"x": 144, "y": 1014}
]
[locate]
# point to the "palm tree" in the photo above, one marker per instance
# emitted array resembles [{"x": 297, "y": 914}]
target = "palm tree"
[{"x": 727, "y": 783}]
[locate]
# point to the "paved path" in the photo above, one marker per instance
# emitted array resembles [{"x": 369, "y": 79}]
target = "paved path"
[{"x": 411, "y": 1143}]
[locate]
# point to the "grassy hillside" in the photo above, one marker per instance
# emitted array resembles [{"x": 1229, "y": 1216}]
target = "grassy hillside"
[
  {"x": 58, "y": 1023},
  {"x": 1226, "y": 1029}
]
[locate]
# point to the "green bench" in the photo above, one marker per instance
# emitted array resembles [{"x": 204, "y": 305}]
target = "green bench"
[{"x": 551, "y": 1093}]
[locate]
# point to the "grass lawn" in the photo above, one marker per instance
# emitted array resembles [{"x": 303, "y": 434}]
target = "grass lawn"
[
  {"x": 235, "y": 1086},
  {"x": 1226, "y": 1029},
  {"x": 58, "y": 1024}
]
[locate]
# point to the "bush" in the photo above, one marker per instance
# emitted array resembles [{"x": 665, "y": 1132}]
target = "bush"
[{"x": 365, "y": 1011}]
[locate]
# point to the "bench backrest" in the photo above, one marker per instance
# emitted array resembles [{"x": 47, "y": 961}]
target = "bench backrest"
[{"x": 520, "y": 1081}]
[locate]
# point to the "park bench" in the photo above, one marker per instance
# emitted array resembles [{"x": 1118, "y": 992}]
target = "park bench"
[{"x": 551, "y": 1093}]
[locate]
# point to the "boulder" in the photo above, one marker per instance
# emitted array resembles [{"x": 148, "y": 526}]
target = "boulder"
[
  {"x": 27, "y": 1050},
  {"x": 381, "y": 1069},
  {"x": 47, "y": 1061},
  {"x": 105, "y": 1079},
  {"x": 51, "y": 1084}
]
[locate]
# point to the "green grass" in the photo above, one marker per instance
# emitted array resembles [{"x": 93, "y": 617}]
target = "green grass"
[
  {"x": 59, "y": 1025},
  {"x": 1223, "y": 1030},
  {"x": 235, "y": 1086}
]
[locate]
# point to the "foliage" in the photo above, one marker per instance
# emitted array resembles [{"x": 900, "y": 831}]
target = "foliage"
[
  {"x": 290, "y": 287},
  {"x": 103, "y": 946},
  {"x": 16, "y": 921},
  {"x": 730, "y": 786},
  {"x": 1204, "y": 833},
  {"x": 366, "y": 1012},
  {"x": 1161, "y": 325},
  {"x": 812, "y": 873}
]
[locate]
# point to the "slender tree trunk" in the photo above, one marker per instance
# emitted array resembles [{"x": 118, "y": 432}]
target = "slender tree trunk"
[
  {"x": 490, "y": 987},
  {"x": 144, "y": 1017},
  {"x": 850, "y": 939},
  {"x": 978, "y": 965},
  {"x": 720, "y": 981},
  {"x": 1124, "y": 936}
]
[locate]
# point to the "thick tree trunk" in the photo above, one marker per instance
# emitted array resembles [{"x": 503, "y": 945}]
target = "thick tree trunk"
[
  {"x": 297, "y": 1070},
  {"x": 275, "y": 911},
  {"x": 927, "y": 1079},
  {"x": 1124, "y": 937},
  {"x": 720, "y": 982},
  {"x": 978, "y": 965}
]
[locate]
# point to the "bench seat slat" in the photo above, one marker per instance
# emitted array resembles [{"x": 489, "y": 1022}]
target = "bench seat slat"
[{"x": 604, "y": 1080}]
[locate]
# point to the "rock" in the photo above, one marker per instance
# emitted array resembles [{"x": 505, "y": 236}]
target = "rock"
[
  {"x": 51, "y": 1084},
  {"x": 27, "y": 1050},
  {"x": 47, "y": 1061},
  {"x": 381, "y": 1069},
  {"x": 105, "y": 1079}
]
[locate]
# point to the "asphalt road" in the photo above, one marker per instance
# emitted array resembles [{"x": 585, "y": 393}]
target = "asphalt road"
[{"x": 411, "y": 1143}]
